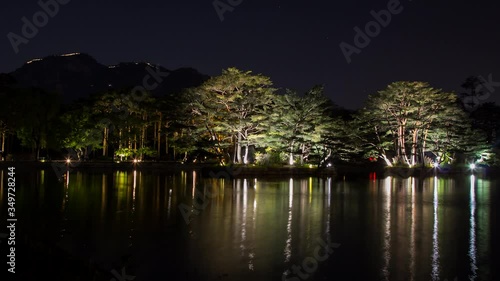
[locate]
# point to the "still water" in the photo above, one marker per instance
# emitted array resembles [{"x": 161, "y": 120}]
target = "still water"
[{"x": 180, "y": 226}]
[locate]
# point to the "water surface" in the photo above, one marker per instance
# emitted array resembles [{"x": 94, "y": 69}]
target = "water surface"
[{"x": 180, "y": 226}]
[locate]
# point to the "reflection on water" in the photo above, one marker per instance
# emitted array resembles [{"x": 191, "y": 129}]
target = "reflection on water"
[
  {"x": 472, "y": 245},
  {"x": 247, "y": 229},
  {"x": 387, "y": 227},
  {"x": 435, "y": 232}
]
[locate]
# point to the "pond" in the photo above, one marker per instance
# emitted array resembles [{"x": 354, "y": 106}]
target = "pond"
[{"x": 146, "y": 225}]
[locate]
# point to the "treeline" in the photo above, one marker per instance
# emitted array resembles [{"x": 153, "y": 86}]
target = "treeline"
[{"x": 239, "y": 117}]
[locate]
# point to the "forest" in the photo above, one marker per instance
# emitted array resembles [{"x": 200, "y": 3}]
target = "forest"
[{"x": 238, "y": 117}]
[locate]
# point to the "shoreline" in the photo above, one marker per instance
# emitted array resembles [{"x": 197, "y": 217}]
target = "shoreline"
[{"x": 240, "y": 171}]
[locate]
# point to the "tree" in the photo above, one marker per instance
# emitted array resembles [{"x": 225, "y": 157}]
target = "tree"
[
  {"x": 300, "y": 125},
  {"x": 228, "y": 108},
  {"x": 403, "y": 118},
  {"x": 79, "y": 132},
  {"x": 36, "y": 111}
]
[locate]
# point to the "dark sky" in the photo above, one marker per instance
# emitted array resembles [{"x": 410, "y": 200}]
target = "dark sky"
[{"x": 296, "y": 43}]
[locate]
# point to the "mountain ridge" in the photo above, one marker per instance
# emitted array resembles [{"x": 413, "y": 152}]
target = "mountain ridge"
[{"x": 79, "y": 75}]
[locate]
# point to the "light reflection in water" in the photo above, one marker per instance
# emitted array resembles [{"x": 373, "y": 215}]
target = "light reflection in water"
[
  {"x": 65, "y": 203},
  {"x": 103, "y": 195},
  {"x": 472, "y": 244},
  {"x": 435, "y": 241},
  {"x": 194, "y": 183},
  {"x": 169, "y": 202},
  {"x": 387, "y": 230},
  {"x": 133, "y": 209},
  {"x": 288, "y": 246},
  {"x": 251, "y": 255},
  {"x": 403, "y": 207},
  {"x": 244, "y": 223},
  {"x": 412, "y": 235},
  {"x": 329, "y": 197}
]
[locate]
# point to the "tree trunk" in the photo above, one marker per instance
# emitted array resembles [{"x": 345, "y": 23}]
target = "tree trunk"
[
  {"x": 166, "y": 145},
  {"x": 402, "y": 143},
  {"x": 238, "y": 149},
  {"x": 105, "y": 142},
  {"x": 424, "y": 143},
  {"x": 143, "y": 136},
  {"x": 235, "y": 149},
  {"x": 119, "y": 138},
  {"x": 414, "y": 147},
  {"x": 387, "y": 161},
  {"x": 3, "y": 143},
  {"x": 246, "y": 154}
]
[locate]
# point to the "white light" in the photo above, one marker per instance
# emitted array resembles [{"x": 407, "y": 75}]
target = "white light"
[
  {"x": 436, "y": 164},
  {"x": 135, "y": 161},
  {"x": 68, "y": 160},
  {"x": 472, "y": 166},
  {"x": 69, "y": 55},
  {"x": 329, "y": 165}
]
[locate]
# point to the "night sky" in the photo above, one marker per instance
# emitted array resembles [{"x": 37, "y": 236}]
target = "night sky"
[{"x": 296, "y": 43}]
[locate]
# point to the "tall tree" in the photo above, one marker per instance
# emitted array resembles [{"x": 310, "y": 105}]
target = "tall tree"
[
  {"x": 403, "y": 118},
  {"x": 228, "y": 106}
]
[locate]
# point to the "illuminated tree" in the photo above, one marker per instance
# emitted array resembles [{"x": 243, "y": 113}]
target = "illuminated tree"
[
  {"x": 300, "y": 126},
  {"x": 79, "y": 131},
  {"x": 228, "y": 107},
  {"x": 402, "y": 119}
]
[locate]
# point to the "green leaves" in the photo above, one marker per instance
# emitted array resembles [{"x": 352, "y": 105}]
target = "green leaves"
[{"x": 408, "y": 120}]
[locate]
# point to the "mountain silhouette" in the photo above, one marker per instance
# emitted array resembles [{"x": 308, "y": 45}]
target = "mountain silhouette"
[{"x": 78, "y": 75}]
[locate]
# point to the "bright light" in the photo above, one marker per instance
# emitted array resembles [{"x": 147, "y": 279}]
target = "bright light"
[
  {"x": 68, "y": 161},
  {"x": 310, "y": 165},
  {"x": 329, "y": 165},
  {"x": 135, "y": 160},
  {"x": 472, "y": 166},
  {"x": 436, "y": 164}
]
